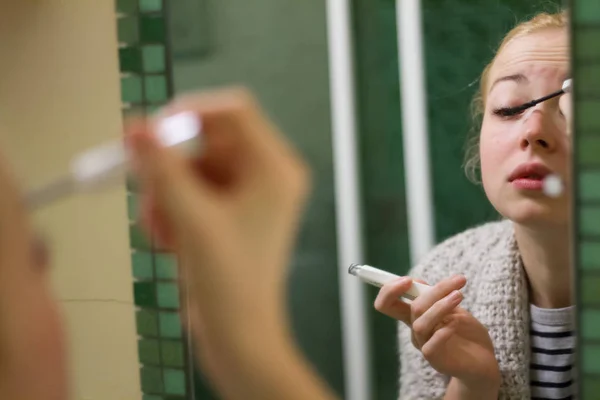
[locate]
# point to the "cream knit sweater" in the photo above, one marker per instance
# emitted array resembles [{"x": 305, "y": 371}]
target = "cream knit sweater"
[{"x": 496, "y": 294}]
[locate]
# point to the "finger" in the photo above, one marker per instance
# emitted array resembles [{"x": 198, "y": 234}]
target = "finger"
[
  {"x": 425, "y": 326},
  {"x": 15, "y": 236},
  {"x": 388, "y": 302},
  {"x": 237, "y": 108},
  {"x": 166, "y": 177},
  {"x": 437, "y": 342},
  {"x": 565, "y": 104},
  {"x": 442, "y": 289}
]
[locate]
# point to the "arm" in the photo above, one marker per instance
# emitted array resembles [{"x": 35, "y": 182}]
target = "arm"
[
  {"x": 458, "y": 390},
  {"x": 267, "y": 365}
]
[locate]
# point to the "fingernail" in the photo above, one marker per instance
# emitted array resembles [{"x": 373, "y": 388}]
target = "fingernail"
[
  {"x": 459, "y": 279},
  {"x": 403, "y": 280},
  {"x": 455, "y": 296}
]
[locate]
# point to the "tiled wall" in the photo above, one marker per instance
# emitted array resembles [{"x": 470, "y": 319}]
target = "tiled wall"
[
  {"x": 586, "y": 48},
  {"x": 145, "y": 86}
]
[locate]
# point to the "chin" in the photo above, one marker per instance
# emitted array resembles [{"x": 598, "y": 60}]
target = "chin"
[{"x": 536, "y": 213}]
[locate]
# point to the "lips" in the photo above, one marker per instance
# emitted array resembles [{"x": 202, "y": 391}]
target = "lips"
[{"x": 529, "y": 176}]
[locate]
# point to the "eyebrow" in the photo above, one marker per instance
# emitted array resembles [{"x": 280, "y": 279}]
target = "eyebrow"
[{"x": 518, "y": 78}]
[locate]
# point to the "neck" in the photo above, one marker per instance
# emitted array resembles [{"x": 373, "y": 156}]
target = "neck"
[{"x": 547, "y": 263}]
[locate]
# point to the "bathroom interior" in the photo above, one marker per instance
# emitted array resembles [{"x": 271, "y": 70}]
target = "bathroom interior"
[{"x": 75, "y": 71}]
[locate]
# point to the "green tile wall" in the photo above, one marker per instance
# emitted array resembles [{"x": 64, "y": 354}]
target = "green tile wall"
[
  {"x": 586, "y": 74},
  {"x": 145, "y": 86}
]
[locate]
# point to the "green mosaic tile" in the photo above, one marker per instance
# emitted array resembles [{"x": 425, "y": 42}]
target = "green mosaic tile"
[
  {"x": 168, "y": 295},
  {"x": 590, "y": 325},
  {"x": 150, "y": 5},
  {"x": 127, "y": 6},
  {"x": 590, "y": 354},
  {"x": 141, "y": 263},
  {"x": 170, "y": 325},
  {"x": 156, "y": 89},
  {"x": 174, "y": 381},
  {"x": 144, "y": 294},
  {"x": 166, "y": 266},
  {"x": 131, "y": 89},
  {"x": 589, "y": 220},
  {"x": 152, "y": 29},
  {"x": 154, "y": 58},
  {"x": 133, "y": 111},
  {"x": 137, "y": 238},
  {"x": 154, "y": 108},
  {"x": 132, "y": 206},
  {"x": 132, "y": 184},
  {"x": 149, "y": 351},
  {"x": 127, "y": 30},
  {"x": 146, "y": 322},
  {"x": 587, "y": 115},
  {"x": 589, "y": 253},
  {"x": 586, "y": 45},
  {"x": 588, "y": 150},
  {"x": 130, "y": 59},
  {"x": 151, "y": 380},
  {"x": 587, "y": 83},
  {"x": 589, "y": 185},
  {"x": 590, "y": 387},
  {"x": 590, "y": 295},
  {"x": 172, "y": 353},
  {"x": 587, "y": 12}
]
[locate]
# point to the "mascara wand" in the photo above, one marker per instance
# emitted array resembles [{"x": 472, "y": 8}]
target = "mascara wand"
[{"x": 566, "y": 88}]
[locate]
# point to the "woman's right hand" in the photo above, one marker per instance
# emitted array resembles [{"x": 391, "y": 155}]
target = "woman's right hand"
[
  {"x": 230, "y": 216},
  {"x": 449, "y": 337},
  {"x": 566, "y": 108}
]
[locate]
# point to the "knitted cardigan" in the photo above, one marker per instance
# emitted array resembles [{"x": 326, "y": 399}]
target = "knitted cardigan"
[{"x": 496, "y": 294}]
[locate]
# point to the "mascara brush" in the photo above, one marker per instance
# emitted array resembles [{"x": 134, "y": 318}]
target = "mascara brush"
[{"x": 566, "y": 88}]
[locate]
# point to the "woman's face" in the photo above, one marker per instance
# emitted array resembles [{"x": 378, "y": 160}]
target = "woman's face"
[{"x": 518, "y": 151}]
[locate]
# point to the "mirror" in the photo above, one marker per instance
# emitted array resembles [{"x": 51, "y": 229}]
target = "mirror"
[{"x": 283, "y": 52}]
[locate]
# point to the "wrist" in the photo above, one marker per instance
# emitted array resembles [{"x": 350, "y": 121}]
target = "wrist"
[{"x": 485, "y": 388}]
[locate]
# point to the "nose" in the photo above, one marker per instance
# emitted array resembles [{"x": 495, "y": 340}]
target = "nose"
[{"x": 539, "y": 133}]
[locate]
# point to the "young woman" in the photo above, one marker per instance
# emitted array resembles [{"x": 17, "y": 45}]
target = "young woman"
[{"x": 498, "y": 322}]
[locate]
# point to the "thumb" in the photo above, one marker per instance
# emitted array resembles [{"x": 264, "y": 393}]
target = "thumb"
[
  {"x": 565, "y": 104},
  {"x": 167, "y": 178}
]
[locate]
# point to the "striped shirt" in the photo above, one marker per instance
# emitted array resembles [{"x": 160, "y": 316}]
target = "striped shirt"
[{"x": 552, "y": 370}]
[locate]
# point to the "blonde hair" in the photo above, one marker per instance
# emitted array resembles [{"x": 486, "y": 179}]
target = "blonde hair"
[{"x": 537, "y": 23}]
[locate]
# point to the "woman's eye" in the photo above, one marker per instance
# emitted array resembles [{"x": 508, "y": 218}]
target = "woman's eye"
[{"x": 507, "y": 112}]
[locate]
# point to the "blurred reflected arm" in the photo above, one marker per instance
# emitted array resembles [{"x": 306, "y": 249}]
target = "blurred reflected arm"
[{"x": 268, "y": 365}]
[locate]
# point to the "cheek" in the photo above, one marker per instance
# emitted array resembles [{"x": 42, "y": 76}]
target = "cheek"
[{"x": 494, "y": 148}]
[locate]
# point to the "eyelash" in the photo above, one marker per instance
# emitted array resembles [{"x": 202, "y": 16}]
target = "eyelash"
[{"x": 506, "y": 112}]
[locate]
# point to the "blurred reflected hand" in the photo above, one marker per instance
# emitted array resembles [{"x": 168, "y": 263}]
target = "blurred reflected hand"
[
  {"x": 565, "y": 104},
  {"x": 453, "y": 341},
  {"x": 231, "y": 217},
  {"x": 32, "y": 351}
]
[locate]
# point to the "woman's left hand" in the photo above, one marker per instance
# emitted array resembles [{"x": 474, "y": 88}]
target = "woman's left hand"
[{"x": 450, "y": 338}]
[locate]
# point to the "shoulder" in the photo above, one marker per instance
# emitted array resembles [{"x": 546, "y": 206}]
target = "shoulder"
[{"x": 464, "y": 252}]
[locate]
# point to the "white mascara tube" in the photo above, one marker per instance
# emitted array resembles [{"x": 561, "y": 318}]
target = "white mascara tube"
[
  {"x": 378, "y": 278},
  {"x": 103, "y": 165}
]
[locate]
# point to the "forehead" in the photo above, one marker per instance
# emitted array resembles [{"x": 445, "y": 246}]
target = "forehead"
[{"x": 542, "y": 51}]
